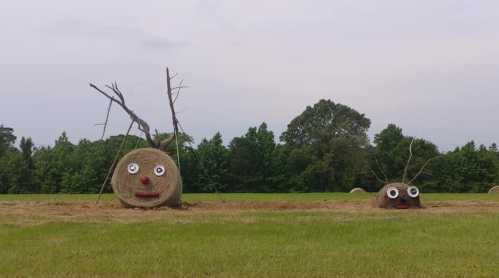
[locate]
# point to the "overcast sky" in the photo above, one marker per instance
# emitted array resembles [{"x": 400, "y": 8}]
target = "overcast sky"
[{"x": 431, "y": 67}]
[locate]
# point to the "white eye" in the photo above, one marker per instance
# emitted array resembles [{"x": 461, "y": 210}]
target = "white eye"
[
  {"x": 159, "y": 170},
  {"x": 413, "y": 192},
  {"x": 133, "y": 168},
  {"x": 392, "y": 193}
]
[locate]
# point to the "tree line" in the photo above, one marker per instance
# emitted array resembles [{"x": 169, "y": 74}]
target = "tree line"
[{"x": 324, "y": 149}]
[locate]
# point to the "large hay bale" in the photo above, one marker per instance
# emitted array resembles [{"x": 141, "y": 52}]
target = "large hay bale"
[
  {"x": 398, "y": 196},
  {"x": 357, "y": 190},
  {"x": 494, "y": 189},
  {"x": 147, "y": 178}
]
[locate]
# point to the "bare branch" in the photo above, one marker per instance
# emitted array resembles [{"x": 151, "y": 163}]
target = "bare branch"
[
  {"x": 142, "y": 125},
  {"x": 173, "y": 76},
  {"x": 115, "y": 161},
  {"x": 176, "y": 97},
  {"x": 107, "y": 119},
  {"x": 408, "y": 162},
  {"x": 104, "y": 93},
  {"x": 169, "y": 91},
  {"x": 178, "y": 88},
  {"x": 376, "y": 176},
  {"x": 163, "y": 145},
  {"x": 423, "y": 168},
  {"x": 114, "y": 94},
  {"x": 181, "y": 128}
]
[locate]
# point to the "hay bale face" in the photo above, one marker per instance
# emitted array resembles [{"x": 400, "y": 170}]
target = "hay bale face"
[
  {"x": 147, "y": 178},
  {"x": 398, "y": 196}
]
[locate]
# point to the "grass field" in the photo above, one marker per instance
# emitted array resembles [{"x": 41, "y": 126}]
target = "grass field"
[{"x": 249, "y": 235}]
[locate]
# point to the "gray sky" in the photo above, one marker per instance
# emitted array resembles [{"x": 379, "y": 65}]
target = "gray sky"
[{"x": 431, "y": 67}]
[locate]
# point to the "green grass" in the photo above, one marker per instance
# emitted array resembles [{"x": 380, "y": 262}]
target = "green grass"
[{"x": 259, "y": 243}]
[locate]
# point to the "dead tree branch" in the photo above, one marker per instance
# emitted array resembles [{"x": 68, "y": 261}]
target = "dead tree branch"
[
  {"x": 115, "y": 161},
  {"x": 119, "y": 99},
  {"x": 423, "y": 168},
  {"x": 114, "y": 94},
  {"x": 169, "y": 91},
  {"x": 107, "y": 119},
  {"x": 376, "y": 176},
  {"x": 404, "y": 176}
]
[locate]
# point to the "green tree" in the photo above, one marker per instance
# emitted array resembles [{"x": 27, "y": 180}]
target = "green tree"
[
  {"x": 43, "y": 174},
  {"x": 11, "y": 165},
  {"x": 212, "y": 164},
  {"x": 251, "y": 160},
  {"x": 190, "y": 170},
  {"x": 391, "y": 153},
  {"x": 27, "y": 182},
  {"x": 10, "y": 161},
  {"x": 7, "y": 139},
  {"x": 333, "y": 138},
  {"x": 59, "y": 163},
  {"x": 466, "y": 169}
]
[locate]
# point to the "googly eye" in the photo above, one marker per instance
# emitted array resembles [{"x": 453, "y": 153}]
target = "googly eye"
[
  {"x": 392, "y": 193},
  {"x": 413, "y": 192},
  {"x": 159, "y": 170},
  {"x": 133, "y": 168}
]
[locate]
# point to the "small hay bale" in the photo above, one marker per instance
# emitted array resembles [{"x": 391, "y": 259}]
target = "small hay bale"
[
  {"x": 398, "y": 196},
  {"x": 357, "y": 190},
  {"x": 147, "y": 178},
  {"x": 494, "y": 189}
]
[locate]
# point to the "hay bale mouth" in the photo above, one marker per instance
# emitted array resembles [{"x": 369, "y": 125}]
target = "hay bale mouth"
[
  {"x": 402, "y": 206},
  {"x": 147, "y": 194}
]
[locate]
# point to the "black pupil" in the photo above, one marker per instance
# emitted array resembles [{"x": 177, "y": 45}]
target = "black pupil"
[
  {"x": 159, "y": 170},
  {"x": 393, "y": 193},
  {"x": 414, "y": 191}
]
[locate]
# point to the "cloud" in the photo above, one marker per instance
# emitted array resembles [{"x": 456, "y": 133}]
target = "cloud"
[{"x": 428, "y": 66}]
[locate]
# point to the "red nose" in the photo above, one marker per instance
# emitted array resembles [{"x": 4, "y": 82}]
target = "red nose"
[{"x": 144, "y": 180}]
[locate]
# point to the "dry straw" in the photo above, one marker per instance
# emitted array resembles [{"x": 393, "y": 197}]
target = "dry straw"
[
  {"x": 357, "y": 190},
  {"x": 402, "y": 199},
  {"x": 159, "y": 190}
]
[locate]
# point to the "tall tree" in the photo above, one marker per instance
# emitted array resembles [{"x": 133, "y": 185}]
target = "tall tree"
[
  {"x": 466, "y": 169},
  {"x": 212, "y": 158},
  {"x": 7, "y": 139},
  {"x": 334, "y": 139},
  {"x": 251, "y": 160},
  {"x": 392, "y": 152},
  {"x": 10, "y": 160},
  {"x": 61, "y": 166},
  {"x": 27, "y": 181}
]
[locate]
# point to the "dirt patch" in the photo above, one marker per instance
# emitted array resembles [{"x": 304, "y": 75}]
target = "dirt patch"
[
  {"x": 39, "y": 212},
  {"x": 274, "y": 205}
]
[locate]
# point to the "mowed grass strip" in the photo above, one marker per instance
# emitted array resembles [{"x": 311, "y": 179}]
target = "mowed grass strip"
[{"x": 259, "y": 244}]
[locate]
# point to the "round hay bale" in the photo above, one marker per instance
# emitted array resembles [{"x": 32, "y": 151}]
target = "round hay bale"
[
  {"x": 357, "y": 190},
  {"x": 494, "y": 189},
  {"x": 147, "y": 178},
  {"x": 398, "y": 196}
]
